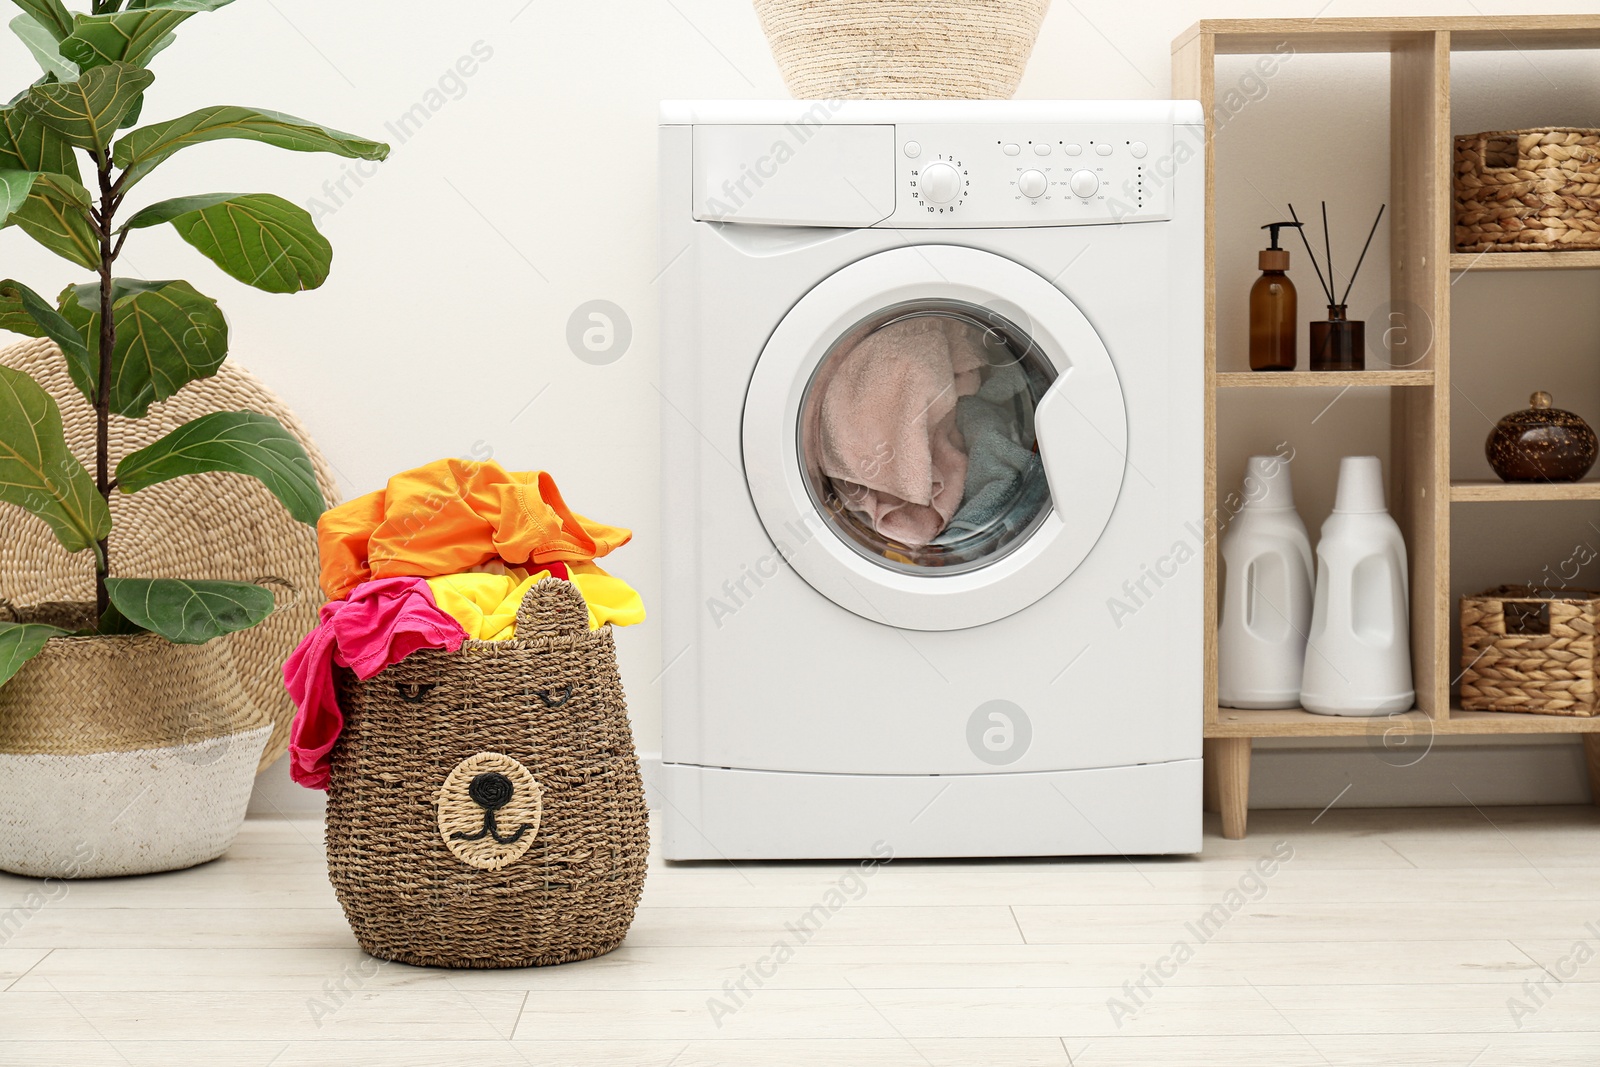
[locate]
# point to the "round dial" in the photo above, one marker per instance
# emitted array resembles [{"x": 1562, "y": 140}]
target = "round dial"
[
  {"x": 1085, "y": 183},
  {"x": 940, "y": 182},
  {"x": 1032, "y": 183}
]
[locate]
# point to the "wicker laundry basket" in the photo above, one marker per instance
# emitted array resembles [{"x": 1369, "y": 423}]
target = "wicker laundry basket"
[
  {"x": 1526, "y": 649},
  {"x": 1528, "y": 190},
  {"x": 901, "y": 49},
  {"x": 220, "y": 526},
  {"x": 485, "y": 807},
  {"x": 122, "y": 755}
]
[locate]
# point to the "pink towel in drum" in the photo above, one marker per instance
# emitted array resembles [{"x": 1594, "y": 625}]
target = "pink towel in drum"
[{"x": 887, "y": 424}]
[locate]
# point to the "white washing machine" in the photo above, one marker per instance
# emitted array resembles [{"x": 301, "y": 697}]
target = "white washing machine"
[{"x": 932, "y": 467}]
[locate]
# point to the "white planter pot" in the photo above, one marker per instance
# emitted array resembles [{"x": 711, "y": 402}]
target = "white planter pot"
[{"x": 124, "y": 755}]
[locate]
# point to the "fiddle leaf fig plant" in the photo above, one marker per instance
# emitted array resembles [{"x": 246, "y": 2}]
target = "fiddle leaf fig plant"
[{"x": 132, "y": 342}]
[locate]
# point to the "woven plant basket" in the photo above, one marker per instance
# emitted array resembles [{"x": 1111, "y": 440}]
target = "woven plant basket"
[
  {"x": 222, "y": 526},
  {"x": 1524, "y": 649},
  {"x": 901, "y": 49},
  {"x": 1528, "y": 190},
  {"x": 122, "y": 755},
  {"x": 485, "y": 807}
]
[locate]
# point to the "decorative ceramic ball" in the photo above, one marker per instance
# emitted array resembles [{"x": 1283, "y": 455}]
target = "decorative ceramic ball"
[{"x": 1541, "y": 444}]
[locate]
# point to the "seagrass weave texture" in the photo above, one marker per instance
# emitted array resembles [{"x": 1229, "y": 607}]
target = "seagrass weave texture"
[
  {"x": 221, "y": 526},
  {"x": 427, "y": 798},
  {"x": 901, "y": 49},
  {"x": 1523, "y": 651},
  {"x": 1528, "y": 190}
]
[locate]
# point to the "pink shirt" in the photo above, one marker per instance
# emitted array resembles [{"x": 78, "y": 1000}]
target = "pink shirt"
[{"x": 380, "y": 623}]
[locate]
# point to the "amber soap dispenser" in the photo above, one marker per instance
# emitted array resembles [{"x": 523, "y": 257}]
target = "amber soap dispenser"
[{"x": 1273, "y": 314}]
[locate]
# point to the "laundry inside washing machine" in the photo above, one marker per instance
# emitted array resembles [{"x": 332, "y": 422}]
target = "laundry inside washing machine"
[{"x": 917, "y": 436}]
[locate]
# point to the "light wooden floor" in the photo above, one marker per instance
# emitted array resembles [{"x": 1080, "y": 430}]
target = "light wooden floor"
[{"x": 1390, "y": 937}]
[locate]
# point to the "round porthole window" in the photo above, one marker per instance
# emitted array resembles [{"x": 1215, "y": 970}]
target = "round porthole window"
[{"x": 916, "y": 436}]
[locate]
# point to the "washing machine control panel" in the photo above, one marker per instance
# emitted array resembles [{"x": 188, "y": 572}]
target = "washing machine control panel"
[{"x": 966, "y": 175}]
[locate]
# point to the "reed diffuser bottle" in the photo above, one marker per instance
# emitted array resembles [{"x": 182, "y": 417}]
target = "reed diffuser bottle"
[{"x": 1339, "y": 342}]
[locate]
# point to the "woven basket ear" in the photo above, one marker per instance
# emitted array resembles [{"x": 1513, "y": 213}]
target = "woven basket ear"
[{"x": 552, "y": 608}]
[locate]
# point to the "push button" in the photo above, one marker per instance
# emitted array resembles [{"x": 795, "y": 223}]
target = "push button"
[
  {"x": 913, "y": 150},
  {"x": 1013, "y": 149},
  {"x": 1041, "y": 148},
  {"x": 1103, "y": 149},
  {"x": 1138, "y": 149},
  {"x": 1074, "y": 149}
]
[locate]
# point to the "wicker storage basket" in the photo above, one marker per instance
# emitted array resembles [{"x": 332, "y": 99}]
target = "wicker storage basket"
[
  {"x": 1528, "y": 190},
  {"x": 485, "y": 807},
  {"x": 122, "y": 755},
  {"x": 1526, "y": 649},
  {"x": 901, "y": 49}
]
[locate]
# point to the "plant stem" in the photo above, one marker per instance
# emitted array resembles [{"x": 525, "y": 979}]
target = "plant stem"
[{"x": 102, "y": 402}]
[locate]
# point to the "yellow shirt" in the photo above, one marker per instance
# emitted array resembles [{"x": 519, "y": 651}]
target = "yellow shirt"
[{"x": 486, "y": 604}]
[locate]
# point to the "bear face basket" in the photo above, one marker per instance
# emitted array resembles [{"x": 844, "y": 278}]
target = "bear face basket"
[{"x": 485, "y": 807}]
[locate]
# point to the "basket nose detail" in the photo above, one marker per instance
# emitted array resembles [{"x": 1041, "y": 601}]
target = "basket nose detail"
[{"x": 489, "y": 810}]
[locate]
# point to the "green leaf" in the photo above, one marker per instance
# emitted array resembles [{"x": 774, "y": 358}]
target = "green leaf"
[
  {"x": 45, "y": 47},
  {"x": 112, "y": 622},
  {"x": 132, "y": 36},
  {"x": 51, "y": 14},
  {"x": 243, "y": 442},
  {"x": 21, "y": 307},
  {"x": 141, "y": 150},
  {"x": 15, "y": 185},
  {"x": 28, "y": 144},
  {"x": 56, "y": 214},
  {"x": 260, "y": 239},
  {"x": 87, "y": 111},
  {"x": 189, "y": 612},
  {"x": 168, "y": 335},
  {"x": 20, "y": 642},
  {"x": 38, "y": 473}
]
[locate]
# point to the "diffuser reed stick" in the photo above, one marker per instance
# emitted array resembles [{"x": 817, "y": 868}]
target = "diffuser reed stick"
[
  {"x": 1362, "y": 258},
  {"x": 1310, "y": 254},
  {"x": 1327, "y": 248}
]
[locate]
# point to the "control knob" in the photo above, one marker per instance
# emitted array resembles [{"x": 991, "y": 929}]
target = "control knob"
[
  {"x": 1084, "y": 183},
  {"x": 1032, "y": 184},
  {"x": 940, "y": 182}
]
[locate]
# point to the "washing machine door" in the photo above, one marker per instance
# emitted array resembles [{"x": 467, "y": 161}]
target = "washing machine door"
[{"x": 935, "y": 437}]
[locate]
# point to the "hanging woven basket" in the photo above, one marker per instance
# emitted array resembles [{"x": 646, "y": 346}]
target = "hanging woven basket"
[
  {"x": 1528, "y": 190},
  {"x": 220, "y": 526},
  {"x": 122, "y": 755},
  {"x": 484, "y": 806},
  {"x": 901, "y": 49}
]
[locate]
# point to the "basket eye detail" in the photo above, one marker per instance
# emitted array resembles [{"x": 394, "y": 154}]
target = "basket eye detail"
[
  {"x": 489, "y": 806},
  {"x": 414, "y": 692},
  {"x": 555, "y": 702}
]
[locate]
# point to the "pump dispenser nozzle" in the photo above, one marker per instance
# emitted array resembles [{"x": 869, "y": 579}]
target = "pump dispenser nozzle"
[{"x": 1273, "y": 257}]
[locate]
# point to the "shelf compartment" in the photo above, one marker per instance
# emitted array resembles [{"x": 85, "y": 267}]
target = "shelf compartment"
[
  {"x": 1489, "y": 491},
  {"x": 1297, "y": 722},
  {"x": 1467, "y": 262},
  {"x": 1310, "y": 379},
  {"x": 1517, "y": 722}
]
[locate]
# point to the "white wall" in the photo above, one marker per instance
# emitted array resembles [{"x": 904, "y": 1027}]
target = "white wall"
[{"x": 530, "y": 190}]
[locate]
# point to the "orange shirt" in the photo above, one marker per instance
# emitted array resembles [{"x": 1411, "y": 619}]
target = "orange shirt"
[{"x": 454, "y": 515}]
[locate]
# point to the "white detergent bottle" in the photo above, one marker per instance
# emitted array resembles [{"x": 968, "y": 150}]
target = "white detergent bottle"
[
  {"x": 1358, "y": 661},
  {"x": 1266, "y": 596}
]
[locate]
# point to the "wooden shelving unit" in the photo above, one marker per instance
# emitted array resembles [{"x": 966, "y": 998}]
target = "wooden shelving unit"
[
  {"x": 1305, "y": 379},
  {"x": 1485, "y": 491},
  {"x": 1421, "y": 490},
  {"x": 1462, "y": 262}
]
